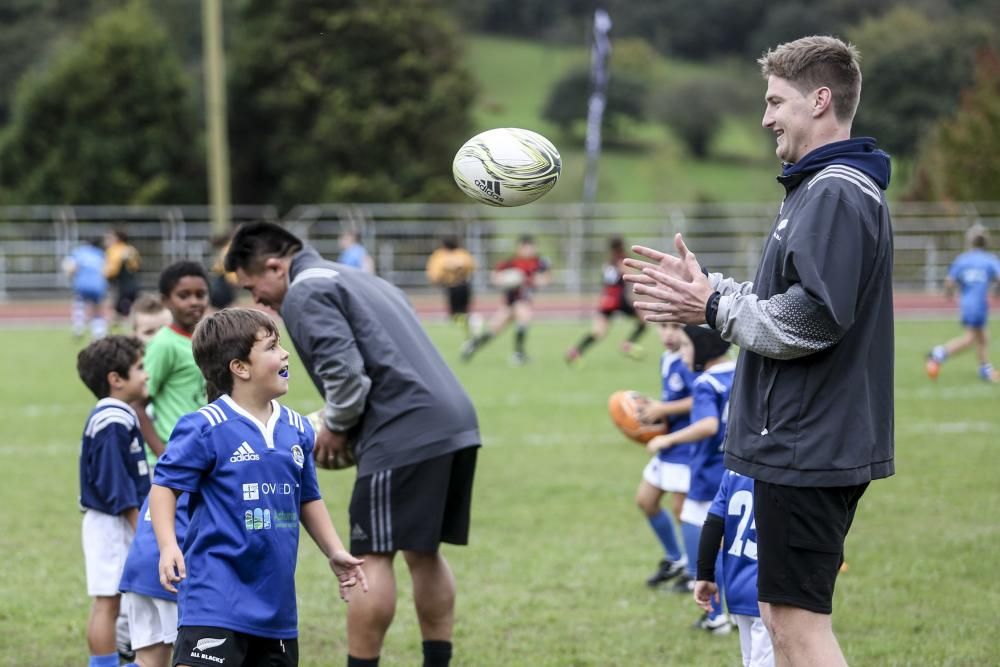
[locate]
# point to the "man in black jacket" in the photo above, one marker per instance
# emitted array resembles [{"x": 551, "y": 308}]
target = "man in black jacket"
[{"x": 811, "y": 418}]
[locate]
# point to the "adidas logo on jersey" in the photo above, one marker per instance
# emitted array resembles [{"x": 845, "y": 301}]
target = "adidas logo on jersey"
[{"x": 244, "y": 453}]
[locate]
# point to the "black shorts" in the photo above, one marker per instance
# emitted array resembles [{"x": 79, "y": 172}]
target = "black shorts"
[
  {"x": 624, "y": 307},
  {"x": 201, "y": 645},
  {"x": 800, "y": 541},
  {"x": 512, "y": 296},
  {"x": 459, "y": 297},
  {"x": 414, "y": 507}
]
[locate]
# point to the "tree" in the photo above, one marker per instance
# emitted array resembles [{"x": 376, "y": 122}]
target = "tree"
[
  {"x": 959, "y": 163},
  {"x": 694, "y": 110},
  {"x": 108, "y": 122},
  {"x": 569, "y": 98},
  {"x": 357, "y": 100}
]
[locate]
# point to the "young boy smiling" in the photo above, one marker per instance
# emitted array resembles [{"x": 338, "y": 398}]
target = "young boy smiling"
[{"x": 248, "y": 462}]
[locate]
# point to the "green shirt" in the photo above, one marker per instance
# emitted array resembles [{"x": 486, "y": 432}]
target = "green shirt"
[{"x": 176, "y": 386}]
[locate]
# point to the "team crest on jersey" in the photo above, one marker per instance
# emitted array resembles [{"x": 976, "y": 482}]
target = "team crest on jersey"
[
  {"x": 675, "y": 382},
  {"x": 298, "y": 455}
]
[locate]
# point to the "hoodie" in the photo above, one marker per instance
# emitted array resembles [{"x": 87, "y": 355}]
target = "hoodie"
[{"x": 812, "y": 401}]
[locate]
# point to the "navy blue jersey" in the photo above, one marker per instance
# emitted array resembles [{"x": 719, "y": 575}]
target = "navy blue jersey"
[
  {"x": 974, "y": 271},
  {"x": 734, "y": 504},
  {"x": 677, "y": 380},
  {"x": 142, "y": 567},
  {"x": 114, "y": 475},
  {"x": 247, "y": 481},
  {"x": 711, "y": 399}
]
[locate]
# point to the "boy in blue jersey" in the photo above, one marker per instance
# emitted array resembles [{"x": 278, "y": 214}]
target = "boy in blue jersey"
[
  {"x": 707, "y": 430},
  {"x": 247, "y": 463},
  {"x": 114, "y": 479},
  {"x": 973, "y": 272},
  {"x": 730, "y": 523},
  {"x": 151, "y": 610},
  {"x": 85, "y": 267},
  {"x": 667, "y": 471}
]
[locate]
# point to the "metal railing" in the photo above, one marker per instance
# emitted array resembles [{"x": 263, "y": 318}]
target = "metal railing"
[{"x": 728, "y": 238}]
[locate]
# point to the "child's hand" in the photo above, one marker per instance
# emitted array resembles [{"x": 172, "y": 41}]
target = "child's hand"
[
  {"x": 704, "y": 593},
  {"x": 172, "y": 568},
  {"x": 349, "y": 572},
  {"x": 658, "y": 443}
]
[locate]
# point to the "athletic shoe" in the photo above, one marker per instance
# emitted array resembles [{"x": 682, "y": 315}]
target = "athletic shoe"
[
  {"x": 720, "y": 625},
  {"x": 633, "y": 350},
  {"x": 468, "y": 349},
  {"x": 667, "y": 570},
  {"x": 933, "y": 367},
  {"x": 518, "y": 359},
  {"x": 572, "y": 356},
  {"x": 684, "y": 585}
]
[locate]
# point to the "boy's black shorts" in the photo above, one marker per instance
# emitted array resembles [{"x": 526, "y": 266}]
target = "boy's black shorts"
[
  {"x": 414, "y": 507},
  {"x": 202, "y": 645},
  {"x": 459, "y": 297},
  {"x": 800, "y": 541}
]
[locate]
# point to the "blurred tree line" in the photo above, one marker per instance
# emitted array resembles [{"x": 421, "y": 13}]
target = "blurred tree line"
[{"x": 100, "y": 100}]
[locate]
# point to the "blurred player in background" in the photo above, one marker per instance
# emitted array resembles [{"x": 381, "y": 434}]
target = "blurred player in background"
[
  {"x": 222, "y": 286},
  {"x": 973, "y": 273},
  {"x": 121, "y": 267},
  {"x": 668, "y": 471},
  {"x": 176, "y": 386},
  {"x": 352, "y": 253},
  {"x": 707, "y": 430},
  {"x": 451, "y": 266},
  {"x": 149, "y": 315},
  {"x": 615, "y": 298},
  {"x": 85, "y": 267},
  {"x": 730, "y": 523},
  {"x": 516, "y": 300},
  {"x": 114, "y": 480}
]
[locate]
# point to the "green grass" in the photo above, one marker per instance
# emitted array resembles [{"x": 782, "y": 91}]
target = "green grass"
[{"x": 554, "y": 574}]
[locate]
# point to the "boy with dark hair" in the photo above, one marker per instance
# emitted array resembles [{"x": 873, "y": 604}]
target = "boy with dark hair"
[
  {"x": 121, "y": 268},
  {"x": 149, "y": 315},
  {"x": 247, "y": 460},
  {"x": 707, "y": 430},
  {"x": 972, "y": 273},
  {"x": 615, "y": 298},
  {"x": 534, "y": 272},
  {"x": 391, "y": 400},
  {"x": 176, "y": 387},
  {"x": 451, "y": 267},
  {"x": 114, "y": 479}
]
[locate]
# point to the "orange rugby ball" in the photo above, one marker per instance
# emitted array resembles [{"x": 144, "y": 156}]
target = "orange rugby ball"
[{"x": 623, "y": 406}]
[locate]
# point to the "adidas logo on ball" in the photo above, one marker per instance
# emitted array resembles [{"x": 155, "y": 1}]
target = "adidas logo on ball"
[{"x": 490, "y": 189}]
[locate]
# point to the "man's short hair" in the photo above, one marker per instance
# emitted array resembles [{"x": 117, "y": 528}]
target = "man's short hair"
[
  {"x": 172, "y": 275},
  {"x": 106, "y": 355},
  {"x": 812, "y": 62},
  {"x": 225, "y": 336},
  {"x": 148, "y": 304},
  {"x": 255, "y": 242}
]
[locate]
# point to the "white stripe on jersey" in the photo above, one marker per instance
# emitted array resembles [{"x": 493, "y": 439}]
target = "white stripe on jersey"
[
  {"x": 316, "y": 272},
  {"x": 213, "y": 413},
  {"x": 106, "y": 417},
  {"x": 850, "y": 175},
  {"x": 295, "y": 419}
]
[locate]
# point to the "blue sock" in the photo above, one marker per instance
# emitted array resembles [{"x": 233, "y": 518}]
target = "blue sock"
[
  {"x": 692, "y": 534},
  {"x": 663, "y": 525},
  {"x": 109, "y": 660}
]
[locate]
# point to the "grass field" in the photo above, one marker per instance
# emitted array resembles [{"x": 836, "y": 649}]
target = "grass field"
[{"x": 554, "y": 574}]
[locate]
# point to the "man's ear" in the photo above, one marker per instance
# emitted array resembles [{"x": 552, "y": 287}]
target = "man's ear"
[
  {"x": 274, "y": 264},
  {"x": 239, "y": 368},
  {"x": 822, "y": 101}
]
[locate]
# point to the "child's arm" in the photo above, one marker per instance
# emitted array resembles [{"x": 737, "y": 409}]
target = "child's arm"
[
  {"x": 949, "y": 287},
  {"x": 701, "y": 429},
  {"x": 162, "y": 511},
  {"x": 146, "y": 428},
  {"x": 316, "y": 520},
  {"x": 132, "y": 516},
  {"x": 657, "y": 410},
  {"x": 705, "y": 588}
]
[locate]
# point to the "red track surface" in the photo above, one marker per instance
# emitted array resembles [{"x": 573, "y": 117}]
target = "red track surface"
[{"x": 431, "y": 306}]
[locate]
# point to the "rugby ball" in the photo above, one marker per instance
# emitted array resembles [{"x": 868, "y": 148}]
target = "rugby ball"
[
  {"x": 341, "y": 461},
  {"x": 507, "y": 167},
  {"x": 623, "y": 406},
  {"x": 509, "y": 278}
]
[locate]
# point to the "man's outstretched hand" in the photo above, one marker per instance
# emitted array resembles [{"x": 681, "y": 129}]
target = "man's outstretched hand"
[{"x": 676, "y": 287}]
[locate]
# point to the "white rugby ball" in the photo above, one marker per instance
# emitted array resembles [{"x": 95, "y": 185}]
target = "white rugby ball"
[
  {"x": 510, "y": 278},
  {"x": 507, "y": 167}
]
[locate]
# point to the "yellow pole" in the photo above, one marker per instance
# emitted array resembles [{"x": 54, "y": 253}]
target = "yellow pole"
[{"x": 215, "y": 116}]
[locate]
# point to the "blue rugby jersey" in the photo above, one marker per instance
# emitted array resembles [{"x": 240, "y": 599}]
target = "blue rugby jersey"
[
  {"x": 142, "y": 567},
  {"x": 711, "y": 399},
  {"x": 247, "y": 481},
  {"x": 114, "y": 475},
  {"x": 974, "y": 271},
  {"x": 677, "y": 379},
  {"x": 734, "y": 504}
]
